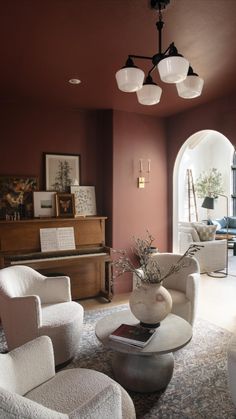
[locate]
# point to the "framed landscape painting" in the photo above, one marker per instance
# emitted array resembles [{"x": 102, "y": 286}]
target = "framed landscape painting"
[
  {"x": 85, "y": 200},
  {"x": 16, "y": 196},
  {"x": 44, "y": 204},
  {"x": 61, "y": 171}
]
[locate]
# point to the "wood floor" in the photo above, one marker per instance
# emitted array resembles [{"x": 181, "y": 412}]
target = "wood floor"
[{"x": 217, "y": 299}]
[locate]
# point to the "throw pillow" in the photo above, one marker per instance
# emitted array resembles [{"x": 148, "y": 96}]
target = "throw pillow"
[
  {"x": 206, "y": 232},
  {"x": 232, "y": 222},
  {"x": 217, "y": 224}
]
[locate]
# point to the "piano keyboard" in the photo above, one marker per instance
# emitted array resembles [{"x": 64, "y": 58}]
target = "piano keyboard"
[{"x": 18, "y": 262}]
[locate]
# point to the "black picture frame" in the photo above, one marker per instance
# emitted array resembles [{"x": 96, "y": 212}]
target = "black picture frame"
[{"x": 61, "y": 171}]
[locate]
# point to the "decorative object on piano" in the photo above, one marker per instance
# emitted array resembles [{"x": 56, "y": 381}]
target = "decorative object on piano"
[
  {"x": 44, "y": 204},
  {"x": 61, "y": 170},
  {"x": 85, "y": 200},
  {"x": 149, "y": 302},
  {"x": 65, "y": 204},
  {"x": 16, "y": 196}
]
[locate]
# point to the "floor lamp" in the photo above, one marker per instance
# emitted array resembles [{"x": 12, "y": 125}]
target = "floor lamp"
[{"x": 209, "y": 204}]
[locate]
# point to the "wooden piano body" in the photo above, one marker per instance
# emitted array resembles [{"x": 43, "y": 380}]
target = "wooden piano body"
[{"x": 89, "y": 266}]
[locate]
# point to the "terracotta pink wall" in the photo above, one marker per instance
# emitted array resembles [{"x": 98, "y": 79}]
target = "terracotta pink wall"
[
  {"x": 137, "y": 210},
  {"x": 110, "y": 144},
  {"x": 28, "y": 132},
  {"x": 218, "y": 115}
]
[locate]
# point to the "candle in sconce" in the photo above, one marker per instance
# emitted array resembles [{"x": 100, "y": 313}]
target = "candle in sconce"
[
  {"x": 140, "y": 165},
  {"x": 149, "y": 166}
]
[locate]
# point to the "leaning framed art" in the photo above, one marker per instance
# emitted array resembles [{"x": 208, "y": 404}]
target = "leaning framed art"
[
  {"x": 44, "y": 204},
  {"x": 85, "y": 200},
  {"x": 16, "y": 196},
  {"x": 61, "y": 171},
  {"x": 65, "y": 205}
]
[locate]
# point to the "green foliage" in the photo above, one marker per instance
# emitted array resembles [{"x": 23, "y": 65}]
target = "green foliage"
[
  {"x": 151, "y": 272},
  {"x": 209, "y": 183}
]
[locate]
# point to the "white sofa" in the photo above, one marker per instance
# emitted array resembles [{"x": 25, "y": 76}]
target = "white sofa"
[
  {"x": 33, "y": 305},
  {"x": 211, "y": 257},
  {"x": 30, "y": 388},
  {"x": 183, "y": 286}
]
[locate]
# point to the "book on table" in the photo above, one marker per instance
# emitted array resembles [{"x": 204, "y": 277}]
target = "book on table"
[{"x": 133, "y": 334}]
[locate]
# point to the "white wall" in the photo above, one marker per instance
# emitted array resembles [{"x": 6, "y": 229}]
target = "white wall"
[{"x": 202, "y": 151}]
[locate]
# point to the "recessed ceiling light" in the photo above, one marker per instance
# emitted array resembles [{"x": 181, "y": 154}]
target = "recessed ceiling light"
[{"x": 74, "y": 81}]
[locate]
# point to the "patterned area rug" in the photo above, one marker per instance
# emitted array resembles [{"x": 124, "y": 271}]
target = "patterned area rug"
[{"x": 198, "y": 389}]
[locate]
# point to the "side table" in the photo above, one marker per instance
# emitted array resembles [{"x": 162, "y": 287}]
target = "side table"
[{"x": 150, "y": 368}]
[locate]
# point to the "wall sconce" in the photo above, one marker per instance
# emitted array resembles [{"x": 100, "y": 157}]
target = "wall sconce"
[{"x": 144, "y": 168}]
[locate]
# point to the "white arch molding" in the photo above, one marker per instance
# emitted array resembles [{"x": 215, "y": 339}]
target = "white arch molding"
[{"x": 201, "y": 151}]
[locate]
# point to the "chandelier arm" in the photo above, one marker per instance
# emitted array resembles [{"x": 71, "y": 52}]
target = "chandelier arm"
[
  {"x": 140, "y": 56},
  {"x": 153, "y": 68},
  {"x": 169, "y": 48}
]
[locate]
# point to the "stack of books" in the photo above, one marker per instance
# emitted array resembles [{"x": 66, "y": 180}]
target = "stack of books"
[{"x": 133, "y": 335}]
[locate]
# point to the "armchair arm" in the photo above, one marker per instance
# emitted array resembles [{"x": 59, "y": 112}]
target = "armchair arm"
[
  {"x": 106, "y": 404},
  {"x": 15, "y": 406},
  {"x": 19, "y": 311},
  {"x": 27, "y": 366},
  {"x": 192, "y": 292},
  {"x": 55, "y": 289}
]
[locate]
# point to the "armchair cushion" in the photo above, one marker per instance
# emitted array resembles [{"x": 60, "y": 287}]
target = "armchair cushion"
[{"x": 78, "y": 391}]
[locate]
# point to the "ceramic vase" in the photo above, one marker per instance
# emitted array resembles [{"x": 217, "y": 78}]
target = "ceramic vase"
[{"x": 150, "y": 304}]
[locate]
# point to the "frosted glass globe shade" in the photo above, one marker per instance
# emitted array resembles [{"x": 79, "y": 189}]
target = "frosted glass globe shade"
[
  {"x": 150, "y": 94},
  {"x": 173, "y": 69},
  {"x": 190, "y": 88},
  {"x": 130, "y": 79}
]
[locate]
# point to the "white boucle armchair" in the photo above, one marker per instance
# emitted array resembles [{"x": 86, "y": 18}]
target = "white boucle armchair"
[
  {"x": 183, "y": 286},
  {"x": 33, "y": 305},
  {"x": 30, "y": 388}
]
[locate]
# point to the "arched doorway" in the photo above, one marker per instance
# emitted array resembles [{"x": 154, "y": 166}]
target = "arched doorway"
[{"x": 201, "y": 151}]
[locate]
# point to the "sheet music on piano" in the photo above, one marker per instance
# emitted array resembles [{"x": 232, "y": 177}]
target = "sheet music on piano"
[{"x": 52, "y": 239}]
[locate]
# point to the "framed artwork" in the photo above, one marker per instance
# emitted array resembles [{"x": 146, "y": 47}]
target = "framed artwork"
[
  {"x": 61, "y": 171},
  {"x": 16, "y": 196},
  {"x": 85, "y": 200},
  {"x": 44, "y": 204},
  {"x": 65, "y": 205}
]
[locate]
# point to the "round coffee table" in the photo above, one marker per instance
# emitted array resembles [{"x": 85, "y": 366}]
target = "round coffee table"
[{"x": 150, "y": 368}]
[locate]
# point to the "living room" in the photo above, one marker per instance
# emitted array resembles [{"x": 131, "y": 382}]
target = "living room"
[{"x": 45, "y": 45}]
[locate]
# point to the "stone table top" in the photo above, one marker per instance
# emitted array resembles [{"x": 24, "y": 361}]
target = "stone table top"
[{"x": 172, "y": 334}]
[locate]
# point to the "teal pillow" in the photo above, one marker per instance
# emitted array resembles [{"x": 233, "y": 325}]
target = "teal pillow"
[
  {"x": 232, "y": 222},
  {"x": 219, "y": 223}
]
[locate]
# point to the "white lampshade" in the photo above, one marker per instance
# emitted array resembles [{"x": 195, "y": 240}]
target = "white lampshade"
[
  {"x": 130, "y": 79},
  {"x": 150, "y": 94},
  {"x": 173, "y": 69},
  {"x": 190, "y": 88}
]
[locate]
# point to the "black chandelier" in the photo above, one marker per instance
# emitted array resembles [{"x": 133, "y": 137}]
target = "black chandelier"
[{"x": 172, "y": 68}]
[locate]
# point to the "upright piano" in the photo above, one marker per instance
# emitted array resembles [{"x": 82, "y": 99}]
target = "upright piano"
[{"x": 88, "y": 266}]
